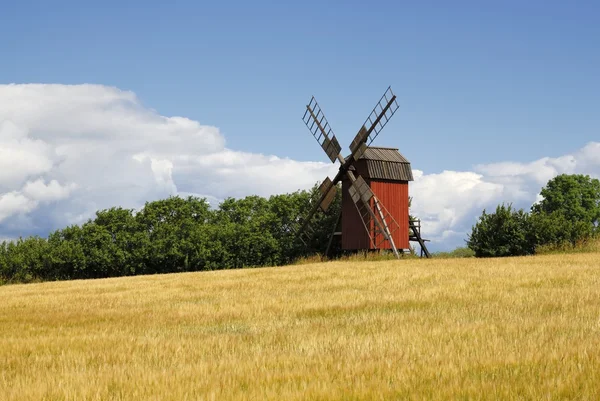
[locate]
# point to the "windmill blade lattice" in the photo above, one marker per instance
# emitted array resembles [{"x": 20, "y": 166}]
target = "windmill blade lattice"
[
  {"x": 319, "y": 127},
  {"x": 377, "y": 119},
  {"x": 317, "y": 123},
  {"x": 327, "y": 190},
  {"x": 319, "y": 201}
]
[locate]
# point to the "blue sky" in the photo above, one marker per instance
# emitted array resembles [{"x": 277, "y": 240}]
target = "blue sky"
[{"x": 477, "y": 83}]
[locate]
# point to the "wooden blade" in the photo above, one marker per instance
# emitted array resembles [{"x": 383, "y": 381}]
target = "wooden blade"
[
  {"x": 319, "y": 127},
  {"x": 381, "y": 114},
  {"x": 358, "y": 145},
  {"x": 360, "y": 190},
  {"x": 324, "y": 189},
  {"x": 379, "y": 117},
  {"x": 327, "y": 190}
]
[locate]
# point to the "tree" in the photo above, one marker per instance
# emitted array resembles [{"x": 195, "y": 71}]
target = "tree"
[
  {"x": 128, "y": 242},
  {"x": 575, "y": 196},
  {"x": 171, "y": 235},
  {"x": 569, "y": 210},
  {"x": 66, "y": 254},
  {"x": 285, "y": 210},
  {"x": 569, "y": 213},
  {"x": 249, "y": 231},
  {"x": 503, "y": 233},
  {"x": 24, "y": 260},
  {"x": 168, "y": 226},
  {"x": 555, "y": 230}
]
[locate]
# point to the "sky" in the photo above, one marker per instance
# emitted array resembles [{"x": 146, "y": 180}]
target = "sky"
[{"x": 118, "y": 103}]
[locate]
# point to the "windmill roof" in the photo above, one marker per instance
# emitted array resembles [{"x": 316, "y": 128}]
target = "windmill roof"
[
  {"x": 384, "y": 154},
  {"x": 387, "y": 164}
]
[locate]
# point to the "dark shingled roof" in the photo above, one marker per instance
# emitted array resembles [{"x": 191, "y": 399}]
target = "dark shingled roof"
[
  {"x": 387, "y": 164},
  {"x": 384, "y": 154}
]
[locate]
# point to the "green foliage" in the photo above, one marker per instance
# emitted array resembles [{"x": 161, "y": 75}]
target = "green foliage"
[
  {"x": 177, "y": 234},
  {"x": 322, "y": 225},
  {"x": 503, "y": 233},
  {"x": 170, "y": 228},
  {"x": 565, "y": 218},
  {"x": 172, "y": 235},
  {"x": 575, "y": 196},
  {"x": 569, "y": 211},
  {"x": 555, "y": 230},
  {"x": 23, "y": 260},
  {"x": 66, "y": 254}
]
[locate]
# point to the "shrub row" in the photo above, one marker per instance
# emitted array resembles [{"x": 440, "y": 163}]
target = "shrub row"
[
  {"x": 170, "y": 235},
  {"x": 566, "y": 217}
]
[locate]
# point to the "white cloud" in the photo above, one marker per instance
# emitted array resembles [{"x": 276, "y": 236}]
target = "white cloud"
[
  {"x": 88, "y": 147},
  {"x": 20, "y": 156},
  {"x": 232, "y": 173},
  {"x": 588, "y": 158},
  {"x": 442, "y": 201},
  {"x": 450, "y": 202},
  {"x": 53, "y": 191},
  {"x": 12, "y": 203},
  {"x": 539, "y": 171},
  {"x": 67, "y": 151}
]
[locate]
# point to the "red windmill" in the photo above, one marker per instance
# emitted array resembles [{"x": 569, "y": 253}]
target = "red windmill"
[{"x": 374, "y": 181}]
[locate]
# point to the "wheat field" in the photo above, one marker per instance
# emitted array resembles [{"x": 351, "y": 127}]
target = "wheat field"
[{"x": 446, "y": 329}]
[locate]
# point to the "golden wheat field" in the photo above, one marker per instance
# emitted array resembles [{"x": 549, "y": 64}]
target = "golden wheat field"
[{"x": 446, "y": 329}]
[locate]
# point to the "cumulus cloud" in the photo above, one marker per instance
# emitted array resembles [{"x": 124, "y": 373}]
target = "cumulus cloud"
[
  {"x": 13, "y": 203},
  {"x": 21, "y": 156},
  {"x": 67, "y": 151},
  {"x": 237, "y": 174},
  {"x": 450, "y": 202},
  {"x": 38, "y": 190},
  {"x": 443, "y": 201}
]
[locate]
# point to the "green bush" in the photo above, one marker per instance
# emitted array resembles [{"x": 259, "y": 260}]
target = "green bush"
[
  {"x": 172, "y": 235},
  {"x": 503, "y": 233},
  {"x": 566, "y": 218}
]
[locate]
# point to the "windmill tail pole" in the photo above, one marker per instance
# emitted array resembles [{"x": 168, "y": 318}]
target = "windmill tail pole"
[
  {"x": 417, "y": 234},
  {"x": 337, "y": 222},
  {"x": 386, "y": 229}
]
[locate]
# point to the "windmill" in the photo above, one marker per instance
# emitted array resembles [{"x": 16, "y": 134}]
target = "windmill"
[{"x": 378, "y": 223}]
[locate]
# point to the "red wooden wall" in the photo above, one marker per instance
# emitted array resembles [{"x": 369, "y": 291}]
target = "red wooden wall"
[{"x": 394, "y": 197}]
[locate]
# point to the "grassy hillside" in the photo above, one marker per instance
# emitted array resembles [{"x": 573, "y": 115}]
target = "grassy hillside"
[{"x": 526, "y": 328}]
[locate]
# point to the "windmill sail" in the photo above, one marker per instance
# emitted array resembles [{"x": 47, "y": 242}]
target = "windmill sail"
[
  {"x": 377, "y": 119},
  {"x": 327, "y": 190},
  {"x": 319, "y": 127}
]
